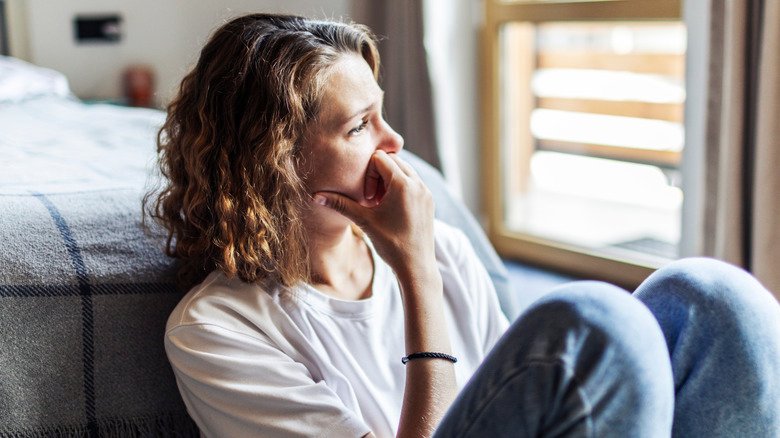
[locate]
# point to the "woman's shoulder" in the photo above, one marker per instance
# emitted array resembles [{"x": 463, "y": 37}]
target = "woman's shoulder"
[
  {"x": 235, "y": 318},
  {"x": 228, "y": 303}
]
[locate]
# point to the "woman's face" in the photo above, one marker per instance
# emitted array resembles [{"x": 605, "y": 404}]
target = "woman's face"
[{"x": 350, "y": 128}]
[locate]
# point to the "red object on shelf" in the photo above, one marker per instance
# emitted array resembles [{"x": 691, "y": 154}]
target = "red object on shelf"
[{"x": 139, "y": 85}]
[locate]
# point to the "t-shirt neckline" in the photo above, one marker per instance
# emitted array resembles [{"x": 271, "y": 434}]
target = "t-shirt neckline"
[{"x": 352, "y": 309}]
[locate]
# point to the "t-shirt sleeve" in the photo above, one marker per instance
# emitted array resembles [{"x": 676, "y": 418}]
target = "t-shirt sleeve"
[
  {"x": 240, "y": 385},
  {"x": 491, "y": 321}
]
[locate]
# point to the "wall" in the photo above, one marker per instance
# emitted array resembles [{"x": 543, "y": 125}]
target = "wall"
[
  {"x": 16, "y": 22},
  {"x": 166, "y": 34},
  {"x": 169, "y": 33},
  {"x": 452, "y": 31}
]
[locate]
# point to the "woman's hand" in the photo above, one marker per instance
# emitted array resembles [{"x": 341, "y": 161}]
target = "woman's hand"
[
  {"x": 400, "y": 221},
  {"x": 400, "y": 224}
]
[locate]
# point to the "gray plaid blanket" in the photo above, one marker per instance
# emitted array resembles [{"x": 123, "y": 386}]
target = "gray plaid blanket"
[
  {"x": 84, "y": 296},
  {"x": 84, "y": 291}
]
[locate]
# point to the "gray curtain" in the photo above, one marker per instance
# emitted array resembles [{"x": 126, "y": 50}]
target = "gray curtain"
[
  {"x": 742, "y": 205},
  {"x": 404, "y": 71}
]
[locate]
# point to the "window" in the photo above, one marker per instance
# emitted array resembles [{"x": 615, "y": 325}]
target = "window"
[{"x": 583, "y": 133}]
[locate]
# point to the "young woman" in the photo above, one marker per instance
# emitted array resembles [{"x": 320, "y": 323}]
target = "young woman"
[{"x": 315, "y": 266}]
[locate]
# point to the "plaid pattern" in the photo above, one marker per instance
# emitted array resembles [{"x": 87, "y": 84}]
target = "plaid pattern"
[{"x": 84, "y": 296}]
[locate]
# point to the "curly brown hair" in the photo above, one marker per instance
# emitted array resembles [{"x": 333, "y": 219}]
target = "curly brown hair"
[{"x": 231, "y": 198}]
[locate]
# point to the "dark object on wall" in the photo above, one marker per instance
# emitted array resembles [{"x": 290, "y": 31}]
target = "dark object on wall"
[
  {"x": 4, "y": 49},
  {"x": 139, "y": 85},
  {"x": 97, "y": 28}
]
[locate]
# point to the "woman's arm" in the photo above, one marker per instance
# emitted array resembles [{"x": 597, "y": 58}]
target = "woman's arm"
[
  {"x": 401, "y": 227},
  {"x": 430, "y": 383}
]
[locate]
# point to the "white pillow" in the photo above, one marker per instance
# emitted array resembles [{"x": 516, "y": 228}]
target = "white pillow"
[{"x": 20, "y": 80}]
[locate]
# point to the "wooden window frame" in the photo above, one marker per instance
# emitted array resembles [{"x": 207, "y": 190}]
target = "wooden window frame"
[{"x": 538, "y": 251}]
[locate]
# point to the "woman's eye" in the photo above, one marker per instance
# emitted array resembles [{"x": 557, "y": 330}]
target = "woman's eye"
[{"x": 359, "y": 128}]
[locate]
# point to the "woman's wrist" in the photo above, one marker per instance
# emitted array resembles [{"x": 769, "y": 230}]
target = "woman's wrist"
[
  {"x": 424, "y": 322},
  {"x": 422, "y": 290},
  {"x": 421, "y": 275}
]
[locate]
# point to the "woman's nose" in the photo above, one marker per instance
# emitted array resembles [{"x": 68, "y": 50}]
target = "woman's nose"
[{"x": 391, "y": 141}]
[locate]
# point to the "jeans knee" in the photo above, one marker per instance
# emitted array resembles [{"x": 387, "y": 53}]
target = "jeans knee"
[
  {"x": 594, "y": 303},
  {"x": 611, "y": 342},
  {"x": 723, "y": 332},
  {"x": 726, "y": 294},
  {"x": 697, "y": 277},
  {"x": 708, "y": 305},
  {"x": 610, "y": 316}
]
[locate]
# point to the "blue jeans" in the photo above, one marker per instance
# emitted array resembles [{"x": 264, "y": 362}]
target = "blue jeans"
[{"x": 694, "y": 352}]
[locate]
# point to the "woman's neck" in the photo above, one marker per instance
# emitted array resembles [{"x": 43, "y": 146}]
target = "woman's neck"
[{"x": 341, "y": 263}]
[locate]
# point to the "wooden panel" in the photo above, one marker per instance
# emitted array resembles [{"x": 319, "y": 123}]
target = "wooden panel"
[
  {"x": 490, "y": 178},
  {"x": 671, "y": 112},
  {"x": 655, "y": 63},
  {"x": 518, "y": 103},
  {"x": 504, "y": 11},
  {"x": 668, "y": 159},
  {"x": 579, "y": 262}
]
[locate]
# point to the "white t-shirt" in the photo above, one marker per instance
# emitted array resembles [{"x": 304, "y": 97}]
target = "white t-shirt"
[{"x": 254, "y": 360}]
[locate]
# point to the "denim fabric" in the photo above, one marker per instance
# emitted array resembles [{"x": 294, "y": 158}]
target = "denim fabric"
[
  {"x": 587, "y": 360},
  {"x": 722, "y": 329},
  {"x": 700, "y": 358}
]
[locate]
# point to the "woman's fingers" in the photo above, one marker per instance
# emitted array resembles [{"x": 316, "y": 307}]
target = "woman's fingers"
[
  {"x": 344, "y": 205},
  {"x": 403, "y": 165},
  {"x": 380, "y": 174},
  {"x": 374, "y": 184},
  {"x": 399, "y": 218},
  {"x": 383, "y": 169},
  {"x": 386, "y": 166}
]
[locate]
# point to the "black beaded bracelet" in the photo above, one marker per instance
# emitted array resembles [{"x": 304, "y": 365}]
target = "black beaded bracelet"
[{"x": 428, "y": 355}]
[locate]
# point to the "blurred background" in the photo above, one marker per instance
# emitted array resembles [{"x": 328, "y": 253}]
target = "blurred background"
[{"x": 592, "y": 139}]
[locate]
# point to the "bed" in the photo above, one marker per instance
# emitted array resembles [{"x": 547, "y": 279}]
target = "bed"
[{"x": 85, "y": 290}]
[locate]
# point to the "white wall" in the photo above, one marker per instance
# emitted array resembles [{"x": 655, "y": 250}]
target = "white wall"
[
  {"x": 452, "y": 30},
  {"x": 166, "y": 34}
]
